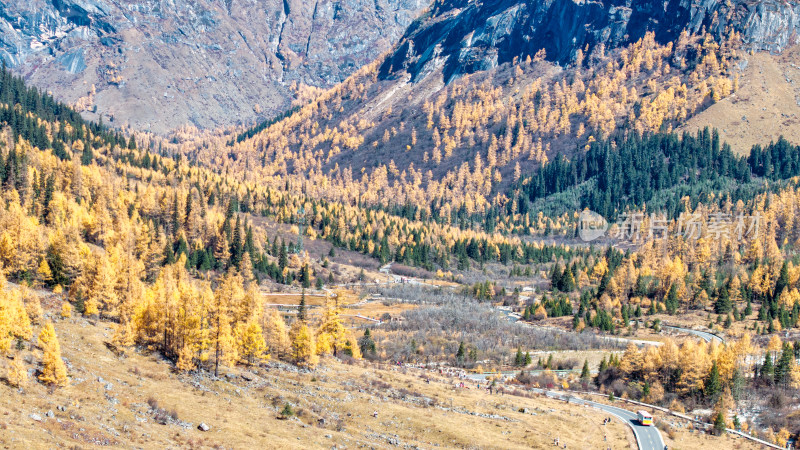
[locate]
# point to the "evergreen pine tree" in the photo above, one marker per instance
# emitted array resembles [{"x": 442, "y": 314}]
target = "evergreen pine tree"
[
  {"x": 519, "y": 359},
  {"x": 87, "y": 156},
  {"x": 301, "y": 310},
  {"x": 767, "y": 371},
  {"x": 283, "y": 258},
  {"x": 461, "y": 353},
  {"x": 585, "y": 374},
  {"x": 671, "y": 301},
  {"x": 555, "y": 276},
  {"x": 723, "y": 303},
  {"x": 713, "y": 384},
  {"x": 782, "y": 282},
  {"x": 567, "y": 280},
  {"x": 783, "y": 368},
  {"x": 603, "y": 365},
  {"x": 719, "y": 424},
  {"x": 366, "y": 343}
]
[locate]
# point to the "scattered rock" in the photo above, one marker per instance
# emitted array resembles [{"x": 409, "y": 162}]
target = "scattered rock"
[
  {"x": 61, "y": 408},
  {"x": 36, "y": 417},
  {"x": 249, "y": 376},
  {"x": 109, "y": 386},
  {"x": 203, "y": 427},
  {"x": 49, "y": 413}
]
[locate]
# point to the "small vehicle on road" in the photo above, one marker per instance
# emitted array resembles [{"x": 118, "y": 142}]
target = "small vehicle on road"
[{"x": 644, "y": 418}]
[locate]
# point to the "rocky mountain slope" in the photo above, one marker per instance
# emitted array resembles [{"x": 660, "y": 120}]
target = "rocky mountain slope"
[
  {"x": 465, "y": 36},
  {"x": 159, "y": 64}
]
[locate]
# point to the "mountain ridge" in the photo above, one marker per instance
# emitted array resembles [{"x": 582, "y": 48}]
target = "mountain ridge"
[
  {"x": 158, "y": 65},
  {"x": 471, "y": 36}
]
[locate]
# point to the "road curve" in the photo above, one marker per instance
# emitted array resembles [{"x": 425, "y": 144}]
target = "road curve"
[
  {"x": 708, "y": 337},
  {"x": 648, "y": 438},
  {"x": 704, "y": 335}
]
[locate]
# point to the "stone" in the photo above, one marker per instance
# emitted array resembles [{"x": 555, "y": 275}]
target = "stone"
[
  {"x": 49, "y": 413},
  {"x": 248, "y": 376},
  {"x": 36, "y": 417},
  {"x": 203, "y": 427}
]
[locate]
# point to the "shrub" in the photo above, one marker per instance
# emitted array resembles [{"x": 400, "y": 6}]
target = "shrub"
[
  {"x": 152, "y": 402},
  {"x": 287, "y": 411},
  {"x": 677, "y": 406}
]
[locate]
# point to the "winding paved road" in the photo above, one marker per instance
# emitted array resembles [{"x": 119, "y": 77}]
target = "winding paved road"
[
  {"x": 708, "y": 337},
  {"x": 704, "y": 335},
  {"x": 648, "y": 438}
]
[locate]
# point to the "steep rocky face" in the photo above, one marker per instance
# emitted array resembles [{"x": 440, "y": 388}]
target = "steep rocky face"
[
  {"x": 465, "y": 36},
  {"x": 158, "y": 64}
]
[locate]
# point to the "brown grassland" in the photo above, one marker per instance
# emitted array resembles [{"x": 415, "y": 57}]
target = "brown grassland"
[{"x": 123, "y": 401}]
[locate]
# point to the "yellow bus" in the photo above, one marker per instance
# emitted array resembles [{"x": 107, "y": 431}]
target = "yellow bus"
[{"x": 644, "y": 418}]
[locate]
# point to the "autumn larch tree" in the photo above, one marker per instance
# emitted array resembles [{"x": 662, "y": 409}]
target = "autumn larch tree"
[{"x": 54, "y": 371}]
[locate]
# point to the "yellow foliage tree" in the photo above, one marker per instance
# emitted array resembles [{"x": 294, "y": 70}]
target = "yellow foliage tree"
[
  {"x": 17, "y": 374},
  {"x": 45, "y": 274},
  {"x": 303, "y": 350},
  {"x": 252, "y": 347},
  {"x": 14, "y": 320},
  {"x": 277, "y": 336},
  {"x": 331, "y": 333},
  {"x": 66, "y": 310},
  {"x": 53, "y": 369}
]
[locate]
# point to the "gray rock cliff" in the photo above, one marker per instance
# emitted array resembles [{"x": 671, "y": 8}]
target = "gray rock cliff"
[
  {"x": 159, "y": 64},
  {"x": 465, "y": 36}
]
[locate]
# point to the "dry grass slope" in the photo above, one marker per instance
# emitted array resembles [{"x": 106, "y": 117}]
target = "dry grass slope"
[
  {"x": 766, "y": 106},
  {"x": 123, "y": 401}
]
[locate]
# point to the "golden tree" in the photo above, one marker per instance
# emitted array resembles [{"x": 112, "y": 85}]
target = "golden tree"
[
  {"x": 53, "y": 369},
  {"x": 66, "y": 310},
  {"x": 17, "y": 374},
  {"x": 331, "y": 333},
  {"x": 252, "y": 347},
  {"x": 277, "y": 336},
  {"x": 303, "y": 351}
]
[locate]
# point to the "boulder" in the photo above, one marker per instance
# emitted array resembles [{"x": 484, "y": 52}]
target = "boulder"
[{"x": 249, "y": 376}]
